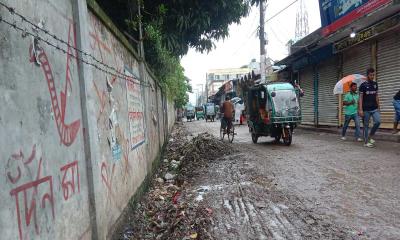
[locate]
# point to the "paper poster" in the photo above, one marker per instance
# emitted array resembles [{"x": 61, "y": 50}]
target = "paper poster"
[{"x": 135, "y": 111}]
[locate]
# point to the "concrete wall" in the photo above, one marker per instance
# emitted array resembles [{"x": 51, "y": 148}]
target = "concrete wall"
[{"x": 76, "y": 142}]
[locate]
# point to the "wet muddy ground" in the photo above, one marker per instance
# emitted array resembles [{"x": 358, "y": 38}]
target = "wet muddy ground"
[
  {"x": 320, "y": 184},
  {"x": 317, "y": 188}
]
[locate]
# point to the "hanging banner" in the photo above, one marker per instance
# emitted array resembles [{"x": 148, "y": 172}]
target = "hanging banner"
[
  {"x": 336, "y": 14},
  {"x": 135, "y": 110}
]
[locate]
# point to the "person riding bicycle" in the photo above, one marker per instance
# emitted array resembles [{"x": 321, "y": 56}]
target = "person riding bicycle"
[{"x": 228, "y": 109}]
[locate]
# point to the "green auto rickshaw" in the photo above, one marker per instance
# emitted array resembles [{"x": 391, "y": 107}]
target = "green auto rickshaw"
[
  {"x": 210, "y": 111},
  {"x": 273, "y": 110},
  {"x": 190, "y": 113},
  {"x": 199, "y": 113}
]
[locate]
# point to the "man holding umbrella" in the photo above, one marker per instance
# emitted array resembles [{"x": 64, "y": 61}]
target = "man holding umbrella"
[{"x": 369, "y": 107}]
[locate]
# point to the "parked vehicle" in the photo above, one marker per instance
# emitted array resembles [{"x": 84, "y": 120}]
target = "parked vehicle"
[
  {"x": 190, "y": 113},
  {"x": 210, "y": 112},
  {"x": 273, "y": 110},
  {"x": 199, "y": 113}
]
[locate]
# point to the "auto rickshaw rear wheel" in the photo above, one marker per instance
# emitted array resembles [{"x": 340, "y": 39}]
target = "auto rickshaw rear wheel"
[
  {"x": 254, "y": 137},
  {"x": 287, "y": 139}
]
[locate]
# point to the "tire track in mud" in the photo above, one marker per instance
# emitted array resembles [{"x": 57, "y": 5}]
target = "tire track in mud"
[{"x": 248, "y": 205}]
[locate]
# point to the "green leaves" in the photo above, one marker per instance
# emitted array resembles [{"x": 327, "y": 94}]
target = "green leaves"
[
  {"x": 195, "y": 23},
  {"x": 171, "y": 27}
]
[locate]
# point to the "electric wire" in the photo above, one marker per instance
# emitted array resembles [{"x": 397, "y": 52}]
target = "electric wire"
[{"x": 109, "y": 69}]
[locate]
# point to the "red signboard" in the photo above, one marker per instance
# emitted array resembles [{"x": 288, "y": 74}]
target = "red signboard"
[{"x": 364, "y": 9}]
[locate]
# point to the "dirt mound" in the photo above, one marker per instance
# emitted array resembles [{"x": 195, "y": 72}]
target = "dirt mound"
[
  {"x": 169, "y": 210},
  {"x": 199, "y": 152}
]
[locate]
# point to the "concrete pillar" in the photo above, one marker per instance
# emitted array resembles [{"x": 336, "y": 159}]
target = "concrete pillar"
[{"x": 81, "y": 14}]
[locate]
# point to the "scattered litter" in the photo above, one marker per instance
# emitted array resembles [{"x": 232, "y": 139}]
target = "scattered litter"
[
  {"x": 193, "y": 235},
  {"x": 170, "y": 209},
  {"x": 169, "y": 176},
  {"x": 160, "y": 180},
  {"x": 176, "y": 198},
  {"x": 209, "y": 211},
  {"x": 128, "y": 233}
]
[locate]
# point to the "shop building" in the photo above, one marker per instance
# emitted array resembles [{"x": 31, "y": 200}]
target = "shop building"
[{"x": 319, "y": 60}]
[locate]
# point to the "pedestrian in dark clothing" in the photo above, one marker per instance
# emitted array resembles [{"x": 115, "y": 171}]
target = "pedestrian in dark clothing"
[
  {"x": 396, "y": 104},
  {"x": 369, "y": 107}
]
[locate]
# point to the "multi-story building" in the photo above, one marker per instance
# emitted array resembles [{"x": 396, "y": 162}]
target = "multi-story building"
[{"x": 215, "y": 78}]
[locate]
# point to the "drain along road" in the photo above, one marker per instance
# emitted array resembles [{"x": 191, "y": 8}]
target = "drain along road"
[{"x": 318, "y": 188}]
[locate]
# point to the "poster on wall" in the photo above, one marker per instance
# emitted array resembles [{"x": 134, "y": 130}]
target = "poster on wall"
[
  {"x": 113, "y": 140},
  {"x": 336, "y": 14},
  {"x": 135, "y": 101}
]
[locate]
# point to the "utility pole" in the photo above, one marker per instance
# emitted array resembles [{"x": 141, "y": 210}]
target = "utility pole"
[
  {"x": 201, "y": 93},
  {"x": 262, "y": 41},
  {"x": 206, "y": 88},
  {"x": 140, "y": 32}
]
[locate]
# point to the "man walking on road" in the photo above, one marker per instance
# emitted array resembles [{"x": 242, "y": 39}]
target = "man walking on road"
[
  {"x": 369, "y": 107},
  {"x": 350, "y": 103},
  {"x": 396, "y": 105}
]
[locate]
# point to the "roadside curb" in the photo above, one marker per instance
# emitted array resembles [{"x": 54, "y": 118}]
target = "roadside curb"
[{"x": 380, "y": 135}]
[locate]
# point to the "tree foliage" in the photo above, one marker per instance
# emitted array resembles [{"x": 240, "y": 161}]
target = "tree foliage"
[
  {"x": 194, "y": 23},
  {"x": 171, "y": 27}
]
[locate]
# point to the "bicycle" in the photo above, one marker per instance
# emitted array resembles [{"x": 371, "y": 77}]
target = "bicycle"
[{"x": 223, "y": 131}]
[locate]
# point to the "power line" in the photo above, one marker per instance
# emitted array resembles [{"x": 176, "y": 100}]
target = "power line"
[
  {"x": 266, "y": 21},
  {"x": 276, "y": 14},
  {"x": 13, "y": 25},
  {"x": 276, "y": 35},
  {"x": 245, "y": 42}
]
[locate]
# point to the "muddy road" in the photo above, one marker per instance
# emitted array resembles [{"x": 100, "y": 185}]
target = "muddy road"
[{"x": 318, "y": 188}]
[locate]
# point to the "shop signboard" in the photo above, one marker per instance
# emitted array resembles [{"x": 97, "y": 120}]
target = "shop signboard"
[
  {"x": 336, "y": 14},
  {"x": 368, "y": 33}
]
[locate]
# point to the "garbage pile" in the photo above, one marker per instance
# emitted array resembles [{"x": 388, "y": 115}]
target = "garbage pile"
[
  {"x": 169, "y": 210},
  {"x": 199, "y": 152}
]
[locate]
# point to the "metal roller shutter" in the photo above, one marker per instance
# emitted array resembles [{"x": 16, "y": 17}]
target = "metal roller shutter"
[
  {"x": 357, "y": 59},
  {"x": 307, "y": 101},
  {"x": 327, "y": 101},
  {"x": 388, "y": 75}
]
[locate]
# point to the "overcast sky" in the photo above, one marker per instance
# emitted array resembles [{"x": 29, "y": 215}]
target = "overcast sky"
[{"x": 243, "y": 44}]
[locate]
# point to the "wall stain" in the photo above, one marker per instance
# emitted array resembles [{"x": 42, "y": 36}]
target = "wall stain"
[{"x": 44, "y": 110}]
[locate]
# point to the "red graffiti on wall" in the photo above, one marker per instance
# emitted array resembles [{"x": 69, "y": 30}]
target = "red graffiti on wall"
[
  {"x": 37, "y": 194},
  {"x": 126, "y": 150},
  {"x": 31, "y": 197},
  {"x": 67, "y": 132},
  {"x": 107, "y": 175},
  {"x": 70, "y": 177},
  {"x": 102, "y": 98},
  {"x": 20, "y": 157}
]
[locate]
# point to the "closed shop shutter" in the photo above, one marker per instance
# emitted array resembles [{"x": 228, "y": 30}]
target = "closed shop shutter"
[
  {"x": 328, "y": 102},
  {"x": 388, "y": 75},
  {"x": 307, "y": 101},
  {"x": 357, "y": 59}
]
